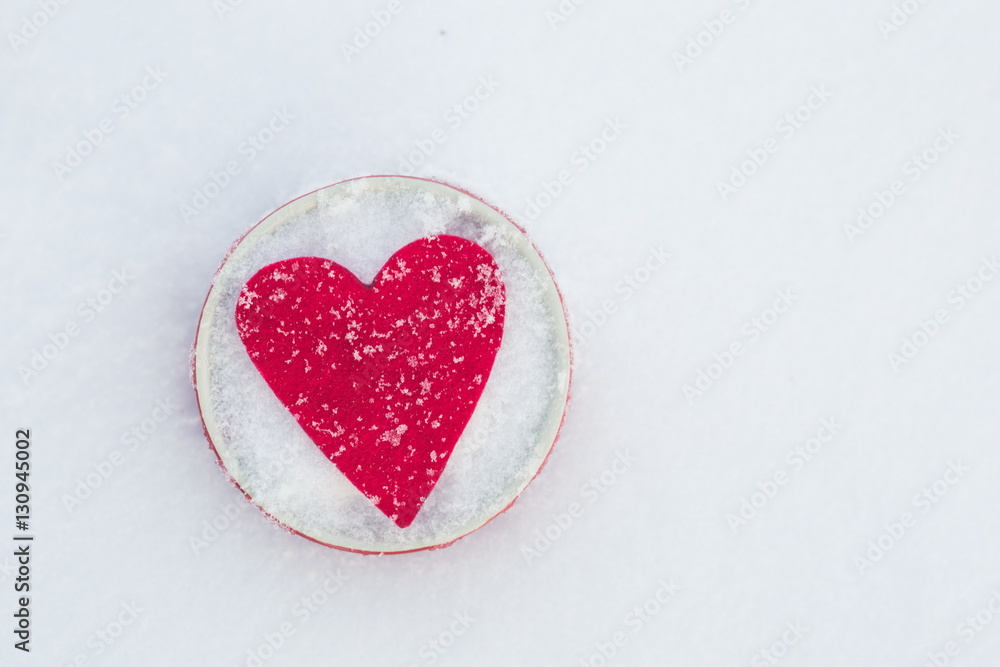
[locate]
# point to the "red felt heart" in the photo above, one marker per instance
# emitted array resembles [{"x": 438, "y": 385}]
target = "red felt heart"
[{"x": 382, "y": 377}]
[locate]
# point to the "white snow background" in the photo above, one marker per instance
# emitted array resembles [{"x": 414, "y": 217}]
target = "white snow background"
[{"x": 664, "y": 521}]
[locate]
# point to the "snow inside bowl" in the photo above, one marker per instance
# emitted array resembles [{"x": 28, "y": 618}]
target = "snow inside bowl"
[{"x": 286, "y": 463}]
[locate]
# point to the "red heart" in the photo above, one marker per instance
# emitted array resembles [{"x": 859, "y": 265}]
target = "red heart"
[{"x": 382, "y": 377}]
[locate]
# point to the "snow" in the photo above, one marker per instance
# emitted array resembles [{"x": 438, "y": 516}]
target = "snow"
[{"x": 639, "y": 239}]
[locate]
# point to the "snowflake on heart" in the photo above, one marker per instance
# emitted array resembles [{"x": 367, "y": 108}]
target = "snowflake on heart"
[{"x": 384, "y": 377}]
